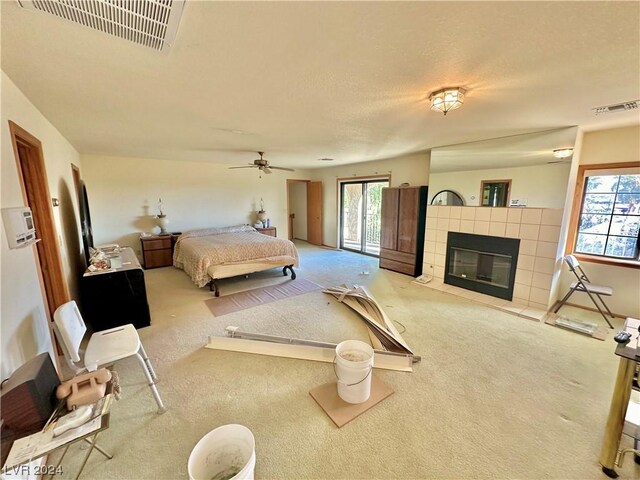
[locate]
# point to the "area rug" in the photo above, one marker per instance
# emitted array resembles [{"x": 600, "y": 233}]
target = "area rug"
[{"x": 259, "y": 296}]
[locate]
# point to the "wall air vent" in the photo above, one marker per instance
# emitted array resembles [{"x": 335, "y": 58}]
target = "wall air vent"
[
  {"x": 618, "y": 107},
  {"x": 151, "y": 23}
]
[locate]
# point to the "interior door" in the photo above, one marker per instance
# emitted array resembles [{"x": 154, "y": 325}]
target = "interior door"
[{"x": 314, "y": 213}]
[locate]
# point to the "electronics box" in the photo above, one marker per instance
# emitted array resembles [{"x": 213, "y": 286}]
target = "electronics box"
[{"x": 19, "y": 226}]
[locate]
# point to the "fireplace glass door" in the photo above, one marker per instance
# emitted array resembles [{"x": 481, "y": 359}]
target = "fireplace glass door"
[{"x": 490, "y": 268}]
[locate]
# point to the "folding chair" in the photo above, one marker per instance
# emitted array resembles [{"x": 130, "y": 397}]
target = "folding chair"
[
  {"x": 583, "y": 284},
  {"x": 104, "y": 347}
]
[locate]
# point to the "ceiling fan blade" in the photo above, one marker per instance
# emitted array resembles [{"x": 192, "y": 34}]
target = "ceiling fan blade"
[
  {"x": 266, "y": 170},
  {"x": 282, "y": 168},
  {"x": 249, "y": 166}
]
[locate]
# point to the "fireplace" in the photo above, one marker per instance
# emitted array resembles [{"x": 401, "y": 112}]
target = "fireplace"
[{"x": 482, "y": 263}]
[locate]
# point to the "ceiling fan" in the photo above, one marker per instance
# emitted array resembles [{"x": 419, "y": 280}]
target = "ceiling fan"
[{"x": 263, "y": 165}]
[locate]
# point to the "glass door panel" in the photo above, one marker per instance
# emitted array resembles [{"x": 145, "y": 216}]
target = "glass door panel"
[
  {"x": 360, "y": 212},
  {"x": 373, "y": 204},
  {"x": 351, "y": 216}
]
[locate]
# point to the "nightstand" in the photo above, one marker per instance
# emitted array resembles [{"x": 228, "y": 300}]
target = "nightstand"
[
  {"x": 271, "y": 231},
  {"x": 157, "y": 250}
]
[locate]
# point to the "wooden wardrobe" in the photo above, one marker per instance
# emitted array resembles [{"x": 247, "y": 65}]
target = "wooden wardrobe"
[{"x": 404, "y": 211}]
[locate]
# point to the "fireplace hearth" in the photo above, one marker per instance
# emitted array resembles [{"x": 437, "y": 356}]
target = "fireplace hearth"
[{"x": 482, "y": 263}]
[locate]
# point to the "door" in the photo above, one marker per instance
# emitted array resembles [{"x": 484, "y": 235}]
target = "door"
[
  {"x": 360, "y": 215},
  {"x": 314, "y": 213}
]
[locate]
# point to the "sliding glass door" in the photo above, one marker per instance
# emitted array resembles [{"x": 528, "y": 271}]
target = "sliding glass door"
[{"x": 360, "y": 205}]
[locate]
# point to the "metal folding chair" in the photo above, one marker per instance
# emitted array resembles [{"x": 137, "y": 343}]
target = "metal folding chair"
[{"x": 583, "y": 284}]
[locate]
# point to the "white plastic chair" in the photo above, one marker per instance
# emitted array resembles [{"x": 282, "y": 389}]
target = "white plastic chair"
[
  {"x": 104, "y": 348},
  {"x": 583, "y": 284}
]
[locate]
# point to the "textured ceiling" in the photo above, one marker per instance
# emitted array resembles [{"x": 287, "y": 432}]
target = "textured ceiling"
[{"x": 345, "y": 80}]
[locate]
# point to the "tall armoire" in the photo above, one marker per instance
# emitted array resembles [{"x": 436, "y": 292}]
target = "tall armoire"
[{"x": 404, "y": 211}]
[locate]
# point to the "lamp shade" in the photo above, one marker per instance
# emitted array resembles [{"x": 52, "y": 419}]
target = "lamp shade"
[{"x": 447, "y": 99}]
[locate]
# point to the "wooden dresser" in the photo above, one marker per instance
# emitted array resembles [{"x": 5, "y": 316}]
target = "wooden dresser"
[
  {"x": 271, "y": 231},
  {"x": 157, "y": 250},
  {"x": 404, "y": 211}
]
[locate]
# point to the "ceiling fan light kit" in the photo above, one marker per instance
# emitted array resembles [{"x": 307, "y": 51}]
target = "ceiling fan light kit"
[
  {"x": 562, "y": 152},
  {"x": 263, "y": 165},
  {"x": 447, "y": 99}
]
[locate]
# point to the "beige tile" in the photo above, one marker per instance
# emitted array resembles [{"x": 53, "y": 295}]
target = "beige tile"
[
  {"x": 497, "y": 302},
  {"x": 549, "y": 233},
  {"x": 512, "y": 230},
  {"x": 547, "y": 249},
  {"x": 531, "y": 216},
  {"x": 539, "y": 295},
  {"x": 499, "y": 215},
  {"x": 483, "y": 214},
  {"x": 497, "y": 229},
  {"x": 468, "y": 213},
  {"x": 428, "y": 259},
  {"x": 539, "y": 306},
  {"x": 521, "y": 292},
  {"x": 441, "y": 236},
  {"x": 441, "y": 249},
  {"x": 541, "y": 280},
  {"x": 512, "y": 307},
  {"x": 533, "y": 313},
  {"x": 523, "y": 276},
  {"x": 438, "y": 272},
  {"x": 514, "y": 215},
  {"x": 466, "y": 226},
  {"x": 552, "y": 216},
  {"x": 529, "y": 232},
  {"x": 436, "y": 284},
  {"x": 526, "y": 262},
  {"x": 443, "y": 212},
  {"x": 456, "y": 212},
  {"x": 430, "y": 235},
  {"x": 454, "y": 224},
  {"x": 481, "y": 228},
  {"x": 432, "y": 211},
  {"x": 429, "y": 247},
  {"x": 443, "y": 223},
  {"x": 544, "y": 265},
  {"x": 485, "y": 299},
  {"x": 528, "y": 247},
  {"x": 439, "y": 260}
]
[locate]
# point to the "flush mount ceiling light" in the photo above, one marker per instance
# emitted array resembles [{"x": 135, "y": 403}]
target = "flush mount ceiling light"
[
  {"x": 563, "y": 152},
  {"x": 447, "y": 99}
]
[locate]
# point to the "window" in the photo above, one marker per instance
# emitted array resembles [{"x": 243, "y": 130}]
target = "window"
[
  {"x": 494, "y": 193},
  {"x": 609, "y": 215}
]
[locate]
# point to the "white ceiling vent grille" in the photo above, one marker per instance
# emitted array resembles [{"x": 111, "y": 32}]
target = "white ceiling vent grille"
[
  {"x": 618, "y": 107},
  {"x": 152, "y": 23}
]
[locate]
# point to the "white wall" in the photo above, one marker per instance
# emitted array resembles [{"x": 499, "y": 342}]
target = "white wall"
[
  {"x": 542, "y": 185},
  {"x": 25, "y": 331},
  {"x": 412, "y": 169},
  {"x": 298, "y": 207},
  {"x": 123, "y": 195},
  {"x": 609, "y": 146}
]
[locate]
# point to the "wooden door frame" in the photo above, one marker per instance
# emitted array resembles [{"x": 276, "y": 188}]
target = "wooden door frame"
[
  {"x": 53, "y": 284},
  {"x": 289, "y": 222},
  {"x": 482, "y": 184}
]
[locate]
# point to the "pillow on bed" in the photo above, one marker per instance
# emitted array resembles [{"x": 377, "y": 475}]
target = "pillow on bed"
[{"x": 218, "y": 230}]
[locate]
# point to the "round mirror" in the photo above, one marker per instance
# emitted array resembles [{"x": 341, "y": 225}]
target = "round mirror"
[{"x": 447, "y": 197}]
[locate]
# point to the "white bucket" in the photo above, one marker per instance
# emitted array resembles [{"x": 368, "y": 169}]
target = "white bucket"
[
  {"x": 226, "y": 453},
  {"x": 354, "y": 361}
]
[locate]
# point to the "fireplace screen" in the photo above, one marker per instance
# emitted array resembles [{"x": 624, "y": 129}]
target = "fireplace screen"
[
  {"x": 482, "y": 263},
  {"x": 490, "y": 268}
]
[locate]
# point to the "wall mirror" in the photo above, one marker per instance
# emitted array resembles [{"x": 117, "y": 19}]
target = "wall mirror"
[
  {"x": 447, "y": 197},
  {"x": 537, "y": 178},
  {"x": 495, "y": 193}
]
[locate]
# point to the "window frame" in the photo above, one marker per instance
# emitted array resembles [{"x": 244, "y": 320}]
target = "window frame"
[{"x": 574, "y": 222}]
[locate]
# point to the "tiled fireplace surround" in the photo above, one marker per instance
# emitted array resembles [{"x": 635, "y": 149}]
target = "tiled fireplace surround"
[{"x": 538, "y": 230}]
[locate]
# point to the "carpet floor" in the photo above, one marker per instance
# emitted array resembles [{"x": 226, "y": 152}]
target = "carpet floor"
[{"x": 495, "y": 396}]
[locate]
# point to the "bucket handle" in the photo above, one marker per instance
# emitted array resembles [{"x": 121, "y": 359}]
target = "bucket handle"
[{"x": 350, "y": 384}]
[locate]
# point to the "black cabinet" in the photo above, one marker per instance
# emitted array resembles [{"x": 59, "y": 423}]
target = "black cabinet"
[{"x": 116, "y": 297}]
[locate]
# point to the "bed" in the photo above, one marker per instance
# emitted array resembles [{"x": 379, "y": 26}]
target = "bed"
[{"x": 211, "y": 254}]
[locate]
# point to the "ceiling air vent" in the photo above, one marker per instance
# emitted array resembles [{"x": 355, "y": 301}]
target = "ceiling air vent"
[
  {"x": 151, "y": 23},
  {"x": 618, "y": 107}
]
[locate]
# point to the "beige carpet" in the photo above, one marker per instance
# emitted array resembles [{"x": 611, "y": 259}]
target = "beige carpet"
[
  {"x": 496, "y": 396},
  {"x": 259, "y": 296}
]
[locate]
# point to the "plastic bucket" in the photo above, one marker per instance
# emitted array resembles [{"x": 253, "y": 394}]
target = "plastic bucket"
[
  {"x": 354, "y": 361},
  {"x": 226, "y": 453}
]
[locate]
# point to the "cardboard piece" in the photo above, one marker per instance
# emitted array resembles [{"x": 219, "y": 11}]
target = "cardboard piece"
[{"x": 342, "y": 412}]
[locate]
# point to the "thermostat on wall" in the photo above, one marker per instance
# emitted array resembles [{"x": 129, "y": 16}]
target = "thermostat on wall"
[{"x": 518, "y": 202}]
